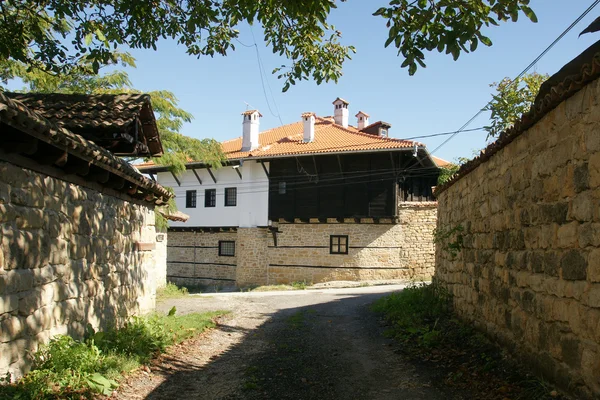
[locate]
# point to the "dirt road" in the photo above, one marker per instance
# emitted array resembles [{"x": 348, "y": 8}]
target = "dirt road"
[{"x": 314, "y": 344}]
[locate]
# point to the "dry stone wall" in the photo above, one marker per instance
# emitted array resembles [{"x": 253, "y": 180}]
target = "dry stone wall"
[
  {"x": 69, "y": 256},
  {"x": 529, "y": 270}
]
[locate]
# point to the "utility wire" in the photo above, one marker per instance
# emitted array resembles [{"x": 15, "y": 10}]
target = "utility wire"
[
  {"x": 538, "y": 58},
  {"x": 262, "y": 81},
  {"x": 444, "y": 133}
]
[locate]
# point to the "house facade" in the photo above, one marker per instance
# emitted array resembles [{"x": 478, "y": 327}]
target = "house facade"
[{"x": 314, "y": 201}]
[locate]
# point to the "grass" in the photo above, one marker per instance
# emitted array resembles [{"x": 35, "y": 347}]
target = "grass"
[
  {"x": 298, "y": 285},
  {"x": 421, "y": 318},
  {"x": 69, "y": 369},
  {"x": 171, "y": 291}
]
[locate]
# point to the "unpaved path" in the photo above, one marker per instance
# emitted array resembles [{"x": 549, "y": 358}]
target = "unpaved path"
[{"x": 314, "y": 344}]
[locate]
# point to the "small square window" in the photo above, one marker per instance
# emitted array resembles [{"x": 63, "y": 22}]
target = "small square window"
[
  {"x": 338, "y": 244},
  {"x": 210, "y": 197},
  {"x": 227, "y": 248},
  {"x": 230, "y": 197},
  {"x": 282, "y": 188},
  {"x": 190, "y": 199}
]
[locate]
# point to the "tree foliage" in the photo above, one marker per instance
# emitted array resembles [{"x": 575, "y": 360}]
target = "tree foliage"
[
  {"x": 60, "y": 35},
  {"x": 512, "y": 100},
  {"x": 179, "y": 149},
  {"x": 450, "y": 26}
]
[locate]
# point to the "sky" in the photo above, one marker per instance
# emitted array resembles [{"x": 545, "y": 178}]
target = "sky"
[{"x": 439, "y": 98}]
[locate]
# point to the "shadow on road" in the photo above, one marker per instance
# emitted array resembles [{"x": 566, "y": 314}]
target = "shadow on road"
[{"x": 328, "y": 350}]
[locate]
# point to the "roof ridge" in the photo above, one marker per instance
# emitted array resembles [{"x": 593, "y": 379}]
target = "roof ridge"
[{"x": 368, "y": 134}]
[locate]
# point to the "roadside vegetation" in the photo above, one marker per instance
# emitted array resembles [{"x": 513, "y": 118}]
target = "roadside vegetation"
[
  {"x": 171, "y": 291},
  {"x": 70, "y": 369},
  {"x": 299, "y": 285},
  {"x": 421, "y": 319}
]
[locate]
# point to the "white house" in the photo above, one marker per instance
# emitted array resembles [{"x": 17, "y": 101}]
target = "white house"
[{"x": 316, "y": 200}]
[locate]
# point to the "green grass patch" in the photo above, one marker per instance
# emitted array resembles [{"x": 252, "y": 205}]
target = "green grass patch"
[
  {"x": 171, "y": 291},
  {"x": 299, "y": 285},
  {"x": 69, "y": 369},
  {"x": 421, "y": 318}
]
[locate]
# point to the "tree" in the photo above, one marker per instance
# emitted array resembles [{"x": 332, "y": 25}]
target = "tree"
[
  {"x": 61, "y": 35},
  {"x": 511, "y": 101},
  {"x": 179, "y": 149}
]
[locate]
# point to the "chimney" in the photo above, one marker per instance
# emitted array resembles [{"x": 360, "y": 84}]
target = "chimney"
[
  {"x": 250, "y": 130},
  {"x": 340, "y": 112},
  {"x": 362, "y": 120},
  {"x": 308, "y": 121}
]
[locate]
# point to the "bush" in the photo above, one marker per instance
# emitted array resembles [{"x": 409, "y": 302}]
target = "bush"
[
  {"x": 171, "y": 291},
  {"x": 70, "y": 369}
]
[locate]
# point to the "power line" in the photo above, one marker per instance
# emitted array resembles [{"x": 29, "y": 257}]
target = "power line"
[
  {"x": 443, "y": 133},
  {"x": 538, "y": 58},
  {"x": 262, "y": 81}
]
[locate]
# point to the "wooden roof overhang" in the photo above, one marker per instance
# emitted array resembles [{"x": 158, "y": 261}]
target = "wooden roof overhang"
[
  {"x": 122, "y": 123},
  {"x": 27, "y": 134}
]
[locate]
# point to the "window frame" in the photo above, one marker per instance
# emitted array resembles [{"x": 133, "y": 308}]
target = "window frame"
[
  {"x": 212, "y": 197},
  {"x": 222, "y": 242},
  {"x": 191, "y": 198},
  {"x": 339, "y": 244},
  {"x": 226, "y": 197}
]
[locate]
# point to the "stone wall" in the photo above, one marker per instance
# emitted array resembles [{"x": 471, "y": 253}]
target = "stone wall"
[
  {"x": 529, "y": 272},
  {"x": 69, "y": 256},
  {"x": 193, "y": 259},
  {"x": 377, "y": 251}
]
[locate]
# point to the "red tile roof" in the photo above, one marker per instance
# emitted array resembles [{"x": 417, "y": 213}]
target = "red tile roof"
[
  {"x": 287, "y": 140},
  {"x": 441, "y": 162}
]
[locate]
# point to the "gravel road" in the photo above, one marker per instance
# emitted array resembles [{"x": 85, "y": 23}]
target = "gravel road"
[{"x": 312, "y": 344}]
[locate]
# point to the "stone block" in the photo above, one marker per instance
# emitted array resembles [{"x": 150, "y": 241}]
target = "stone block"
[
  {"x": 581, "y": 178},
  {"x": 582, "y": 208},
  {"x": 594, "y": 266},
  {"x": 573, "y": 265},
  {"x": 567, "y": 235},
  {"x": 8, "y": 303},
  {"x": 11, "y": 329},
  {"x": 571, "y": 351},
  {"x": 4, "y": 193},
  {"x": 593, "y": 296}
]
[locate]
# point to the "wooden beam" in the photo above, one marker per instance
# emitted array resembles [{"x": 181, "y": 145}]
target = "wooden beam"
[
  {"x": 211, "y": 174},
  {"x": 28, "y": 147},
  {"x": 197, "y": 176},
  {"x": 98, "y": 175},
  {"x": 152, "y": 177},
  {"x": 265, "y": 169},
  {"x": 238, "y": 172},
  {"x": 393, "y": 163},
  {"x": 176, "y": 180},
  {"x": 116, "y": 182},
  {"x": 77, "y": 166},
  {"x": 315, "y": 165}
]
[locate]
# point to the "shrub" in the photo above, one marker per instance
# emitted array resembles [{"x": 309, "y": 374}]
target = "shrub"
[{"x": 171, "y": 291}]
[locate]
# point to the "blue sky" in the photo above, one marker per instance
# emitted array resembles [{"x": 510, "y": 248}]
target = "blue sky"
[{"x": 439, "y": 98}]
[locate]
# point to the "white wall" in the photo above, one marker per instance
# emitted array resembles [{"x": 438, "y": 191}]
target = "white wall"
[{"x": 252, "y": 196}]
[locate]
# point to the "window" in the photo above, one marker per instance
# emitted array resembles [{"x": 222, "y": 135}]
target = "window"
[
  {"x": 227, "y": 248},
  {"x": 210, "y": 197},
  {"x": 230, "y": 197},
  {"x": 338, "y": 244},
  {"x": 190, "y": 199},
  {"x": 282, "y": 188}
]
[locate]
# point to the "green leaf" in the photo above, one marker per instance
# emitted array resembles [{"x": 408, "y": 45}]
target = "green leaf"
[
  {"x": 529, "y": 13},
  {"x": 485, "y": 40},
  {"x": 88, "y": 39},
  {"x": 172, "y": 311}
]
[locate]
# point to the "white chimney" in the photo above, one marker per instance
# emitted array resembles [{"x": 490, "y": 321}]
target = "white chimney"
[
  {"x": 250, "y": 130},
  {"x": 308, "y": 121},
  {"x": 340, "y": 112},
  {"x": 362, "y": 120}
]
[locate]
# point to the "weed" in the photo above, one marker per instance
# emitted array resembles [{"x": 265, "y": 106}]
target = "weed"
[
  {"x": 70, "y": 369},
  {"x": 296, "y": 320},
  {"x": 299, "y": 285},
  {"x": 450, "y": 239},
  {"x": 171, "y": 291}
]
